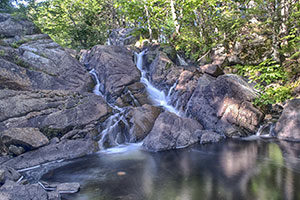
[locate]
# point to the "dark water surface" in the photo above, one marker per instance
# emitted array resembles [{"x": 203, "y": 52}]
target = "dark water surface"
[{"x": 228, "y": 170}]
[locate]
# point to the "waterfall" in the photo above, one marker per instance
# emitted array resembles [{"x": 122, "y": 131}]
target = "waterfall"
[
  {"x": 158, "y": 97},
  {"x": 96, "y": 90},
  {"x": 182, "y": 62},
  {"x": 115, "y": 127}
]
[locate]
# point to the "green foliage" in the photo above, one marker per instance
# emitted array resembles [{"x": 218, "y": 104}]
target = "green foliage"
[{"x": 270, "y": 79}]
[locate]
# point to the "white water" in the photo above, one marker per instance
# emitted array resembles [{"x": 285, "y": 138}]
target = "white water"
[
  {"x": 182, "y": 62},
  {"x": 158, "y": 97},
  {"x": 96, "y": 90}
]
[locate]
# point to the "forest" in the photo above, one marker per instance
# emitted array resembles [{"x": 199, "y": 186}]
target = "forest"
[{"x": 266, "y": 32}]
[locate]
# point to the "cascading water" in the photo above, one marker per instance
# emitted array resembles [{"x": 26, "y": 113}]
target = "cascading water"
[
  {"x": 182, "y": 62},
  {"x": 158, "y": 97},
  {"x": 96, "y": 90},
  {"x": 112, "y": 133}
]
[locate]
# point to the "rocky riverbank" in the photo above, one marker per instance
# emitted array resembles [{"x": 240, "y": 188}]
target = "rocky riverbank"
[{"x": 49, "y": 113}]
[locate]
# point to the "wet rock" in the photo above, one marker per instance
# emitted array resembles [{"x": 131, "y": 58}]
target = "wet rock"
[
  {"x": 14, "y": 191},
  {"x": 223, "y": 105},
  {"x": 30, "y": 138},
  {"x": 66, "y": 149},
  {"x": 68, "y": 188},
  {"x": 115, "y": 69},
  {"x": 54, "y": 113},
  {"x": 209, "y": 137},
  {"x": 142, "y": 120},
  {"x": 171, "y": 132},
  {"x": 288, "y": 125}
]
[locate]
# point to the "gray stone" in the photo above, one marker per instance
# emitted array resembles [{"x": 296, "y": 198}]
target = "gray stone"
[
  {"x": 288, "y": 125},
  {"x": 66, "y": 149},
  {"x": 13, "y": 191},
  {"x": 224, "y": 105},
  {"x": 10, "y": 173},
  {"x": 142, "y": 120},
  {"x": 115, "y": 69},
  {"x": 30, "y": 138},
  {"x": 68, "y": 188},
  {"x": 54, "y": 113},
  {"x": 210, "y": 137},
  {"x": 171, "y": 132},
  {"x": 16, "y": 150}
]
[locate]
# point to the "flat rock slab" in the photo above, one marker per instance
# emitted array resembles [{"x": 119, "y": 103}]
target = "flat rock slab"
[
  {"x": 66, "y": 149},
  {"x": 31, "y": 138},
  {"x": 171, "y": 132}
]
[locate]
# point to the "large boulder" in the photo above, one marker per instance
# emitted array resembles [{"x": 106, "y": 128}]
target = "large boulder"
[
  {"x": 288, "y": 125},
  {"x": 54, "y": 113},
  {"x": 184, "y": 88},
  {"x": 171, "y": 132},
  {"x": 224, "y": 105},
  {"x": 141, "y": 120},
  {"x": 30, "y": 60},
  {"x": 29, "y": 138},
  {"x": 114, "y": 67}
]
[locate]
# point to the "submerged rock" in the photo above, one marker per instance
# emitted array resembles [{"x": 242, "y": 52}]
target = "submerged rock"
[
  {"x": 288, "y": 125},
  {"x": 171, "y": 132},
  {"x": 224, "y": 105}
]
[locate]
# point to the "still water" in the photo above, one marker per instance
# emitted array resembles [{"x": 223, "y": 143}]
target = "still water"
[{"x": 228, "y": 170}]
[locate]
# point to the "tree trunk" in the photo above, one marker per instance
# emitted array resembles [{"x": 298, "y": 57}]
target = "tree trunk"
[
  {"x": 148, "y": 22},
  {"x": 174, "y": 17}
]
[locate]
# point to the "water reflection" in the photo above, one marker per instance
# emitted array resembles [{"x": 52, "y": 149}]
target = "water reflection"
[{"x": 229, "y": 170}]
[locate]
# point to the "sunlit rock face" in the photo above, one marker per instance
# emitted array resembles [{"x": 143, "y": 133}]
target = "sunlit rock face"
[
  {"x": 30, "y": 60},
  {"x": 224, "y": 105},
  {"x": 288, "y": 125}
]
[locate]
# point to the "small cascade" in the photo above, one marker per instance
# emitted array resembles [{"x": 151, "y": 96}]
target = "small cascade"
[
  {"x": 170, "y": 91},
  {"x": 133, "y": 98},
  {"x": 115, "y": 132},
  {"x": 182, "y": 62},
  {"x": 158, "y": 97},
  {"x": 266, "y": 130},
  {"x": 96, "y": 90},
  {"x": 115, "y": 127}
]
